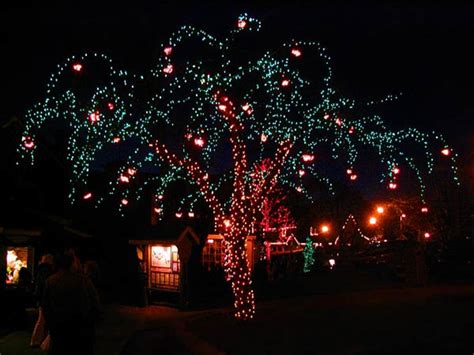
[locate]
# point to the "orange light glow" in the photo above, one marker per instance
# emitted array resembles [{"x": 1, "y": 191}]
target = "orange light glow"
[
  {"x": 324, "y": 228},
  {"x": 424, "y": 209},
  {"x": 427, "y": 235},
  {"x": 227, "y": 223},
  {"x": 380, "y": 210},
  {"x": 372, "y": 221}
]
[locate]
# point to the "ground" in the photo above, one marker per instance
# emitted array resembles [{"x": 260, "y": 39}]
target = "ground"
[{"x": 409, "y": 320}]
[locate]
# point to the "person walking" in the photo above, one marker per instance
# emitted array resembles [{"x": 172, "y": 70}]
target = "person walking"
[
  {"x": 71, "y": 306},
  {"x": 45, "y": 270}
]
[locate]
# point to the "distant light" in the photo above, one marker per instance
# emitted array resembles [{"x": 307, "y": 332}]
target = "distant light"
[
  {"x": 263, "y": 137},
  {"x": 178, "y": 214},
  {"x": 446, "y": 151},
  {"x": 392, "y": 186},
  {"x": 210, "y": 241},
  {"x": 77, "y": 67},
  {"x": 299, "y": 189},
  {"x": 131, "y": 171},
  {"x": 168, "y": 50},
  {"x": 111, "y": 106},
  {"x": 351, "y": 130},
  {"x": 396, "y": 170},
  {"x": 424, "y": 209},
  {"x": 403, "y": 215},
  {"x": 160, "y": 197},
  {"x": 199, "y": 142},
  {"x": 226, "y": 223},
  {"x": 324, "y": 228},
  {"x": 124, "y": 202},
  {"x": 427, "y": 235},
  {"x": 338, "y": 121},
  {"x": 222, "y": 107},
  {"x": 296, "y": 52},
  {"x": 87, "y": 196},
  {"x": 285, "y": 82},
  {"x": 332, "y": 262},
  {"x": 380, "y": 209},
  {"x": 157, "y": 210},
  {"x": 116, "y": 140},
  {"x": 191, "y": 214},
  {"x": 301, "y": 172},
  {"x": 349, "y": 171},
  {"x": 353, "y": 177},
  {"x": 372, "y": 220}
]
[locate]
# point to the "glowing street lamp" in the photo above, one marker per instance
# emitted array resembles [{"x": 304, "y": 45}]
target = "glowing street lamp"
[{"x": 324, "y": 228}]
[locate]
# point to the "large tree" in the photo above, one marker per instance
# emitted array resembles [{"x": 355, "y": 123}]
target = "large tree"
[{"x": 208, "y": 113}]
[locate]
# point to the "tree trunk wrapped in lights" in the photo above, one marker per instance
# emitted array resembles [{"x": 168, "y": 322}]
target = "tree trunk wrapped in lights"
[{"x": 263, "y": 107}]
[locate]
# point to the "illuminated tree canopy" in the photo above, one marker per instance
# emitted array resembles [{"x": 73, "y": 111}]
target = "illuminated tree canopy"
[{"x": 207, "y": 114}]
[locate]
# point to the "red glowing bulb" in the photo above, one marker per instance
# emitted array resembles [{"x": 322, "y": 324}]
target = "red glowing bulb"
[
  {"x": 168, "y": 69},
  {"x": 326, "y": 116},
  {"x": 353, "y": 177},
  {"x": 392, "y": 186},
  {"x": 424, "y": 209},
  {"x": 191, "y": 214},
  {"x": 124, "y": 202},
  {"x": 263, "y": 137},
  {"x": 168, "y": 50},
  {"x": 338, "y": 121},
  {"x": 87, "y": 196},
  {"x": 116, "y": 140},
  {"x": 446, "y": 152},
  {"x": 160, "y": 197},
  {"x": 427, "y": 235},
  {"x": 157, "y": 210},
  {"x": 296, "y": 52},
  {"x": 94, "y": 117},
  {"x": 324, "y": 228},
  {"x": 131, "y": 171},
  {"x": 178, "y": 214},
  {"x": 199, "y": 142},
  {"x": 28, "y": 142},
  {"x": 241, "y": 24},
  {"x": 77, "y": 67},
  {"x": 285, "y": 82},
  {"x": 222, "y": 107},
  {"x": 396, "y": 170},
  {"x": 111, "y": 106},
  {"x": 226, "y": 223},
  {"x": 124, "y": 179},
  {"x": 307, "y": 158},
  {"x": 349, "y": 171},
  {"x": 301, "y": 172}
]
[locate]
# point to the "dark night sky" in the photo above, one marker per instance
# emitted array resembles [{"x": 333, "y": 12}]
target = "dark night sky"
[{"x": 420, "y": 49}]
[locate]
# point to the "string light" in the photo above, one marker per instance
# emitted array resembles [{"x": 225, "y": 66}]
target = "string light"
[{"x": 275, "y": 101}]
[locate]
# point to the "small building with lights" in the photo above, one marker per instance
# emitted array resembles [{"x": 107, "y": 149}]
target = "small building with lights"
[
  {"x": 213, "y": 252},
  {"x": 164, "y": 257}
]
